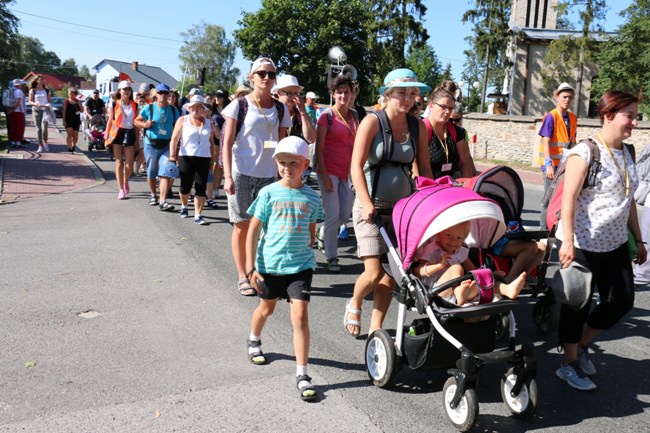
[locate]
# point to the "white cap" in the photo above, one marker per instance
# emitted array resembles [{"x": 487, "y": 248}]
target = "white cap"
[
  {"x": 124, "y": 84},
  {"x": 311, "y": 95},
  {"x": 196, "y": 99},
  {"x": 564, "y": 86},
  {"x": 293, "y": 146},
  {"x": 287, "y": 81},
  {"x": 19, "y": 82},
  {"x": 261, "y": 61}
]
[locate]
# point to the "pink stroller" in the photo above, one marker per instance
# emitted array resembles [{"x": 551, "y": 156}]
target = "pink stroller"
[{"x": 459, "y": 338}]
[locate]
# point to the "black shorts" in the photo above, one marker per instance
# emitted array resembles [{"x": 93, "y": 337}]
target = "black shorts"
[
  {"x": 125, "y": 137},
  {"x": 291, "y": 286}
]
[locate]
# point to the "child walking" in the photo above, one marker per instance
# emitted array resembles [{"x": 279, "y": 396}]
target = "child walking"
[
  {"x": 287, "y": 211},
  {"x": 444, "y": 258}
]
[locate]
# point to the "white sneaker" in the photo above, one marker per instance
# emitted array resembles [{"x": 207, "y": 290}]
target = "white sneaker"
[
  {"x": 46, "y": 147},
  {"x": 40, "y": 149}
]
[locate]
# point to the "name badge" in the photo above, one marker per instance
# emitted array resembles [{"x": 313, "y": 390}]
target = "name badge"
[
  {"x": 447, "y": 166},
  {"x": 270, "y": 144},
  {"x": 162, "y": 132}
]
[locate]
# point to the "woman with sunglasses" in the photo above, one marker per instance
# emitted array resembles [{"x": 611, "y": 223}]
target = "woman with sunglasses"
[
  {"x": 121, "y": 135},
  {"x": 71, "y": 119},
  {"x": 380, "y": 193},
  {"x": 248, "y": 163},
  {"x": 448, "y": 150},
  {"x": 40, "y": 98}
]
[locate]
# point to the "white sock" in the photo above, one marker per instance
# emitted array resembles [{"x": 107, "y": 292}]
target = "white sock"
[
  {"x": 254, "y": 350},
  {"x": 301, "y": 370}
]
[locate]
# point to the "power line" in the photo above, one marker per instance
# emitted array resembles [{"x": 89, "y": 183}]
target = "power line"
[{"x": 97, "y": 28}]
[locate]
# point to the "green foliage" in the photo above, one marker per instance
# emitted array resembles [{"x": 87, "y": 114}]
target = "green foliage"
[
  {"x": 206, "y": 46},
  {"x": 298, "y": 34},
  {"x": 423, "y": 61},
  {"x": 8, "y": 42},
  {"x": 625, "y": 57},
  {"x": 395, "y": 24},
  {"x": 69, "y": 67},
  {"x": 85, "y": 72}
]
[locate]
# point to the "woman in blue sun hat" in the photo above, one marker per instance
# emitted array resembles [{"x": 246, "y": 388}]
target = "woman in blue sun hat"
[{"x": 376, "y": 195}]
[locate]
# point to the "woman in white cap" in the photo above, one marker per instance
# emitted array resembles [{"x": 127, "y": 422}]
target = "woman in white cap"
[
  {"x": 248, "y": 147},
  {"x": 195, "y": 155},
  {"x": 379, "y": 183},
  {"x": 288, "y": 91},
  {"x": 336, "y": 130},
  {"x": 121, "y": 135}
]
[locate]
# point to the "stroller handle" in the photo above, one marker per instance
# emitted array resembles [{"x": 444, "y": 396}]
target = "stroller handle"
[{"x": 435, "y": 291}]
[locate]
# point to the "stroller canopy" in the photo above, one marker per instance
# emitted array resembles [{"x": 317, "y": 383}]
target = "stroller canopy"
[{"x": 438, "y": 205}]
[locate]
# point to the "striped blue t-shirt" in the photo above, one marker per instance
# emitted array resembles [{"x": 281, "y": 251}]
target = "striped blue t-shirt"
[{"x": 286, "y": 214}]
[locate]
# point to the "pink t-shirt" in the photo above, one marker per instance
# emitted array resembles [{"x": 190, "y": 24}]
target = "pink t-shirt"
[
  {"x": 432, "y": 252},
  {"x": 339, "y": 141}
]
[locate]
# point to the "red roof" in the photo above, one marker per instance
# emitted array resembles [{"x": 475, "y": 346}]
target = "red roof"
[{"x": 58, "y": 82}]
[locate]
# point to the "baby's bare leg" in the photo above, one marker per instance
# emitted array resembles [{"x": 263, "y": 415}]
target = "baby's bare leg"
[{"x": 513, "y": 289}]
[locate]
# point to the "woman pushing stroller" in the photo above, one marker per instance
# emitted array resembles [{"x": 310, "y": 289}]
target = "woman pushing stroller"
[{"x": 444, "y": 258}]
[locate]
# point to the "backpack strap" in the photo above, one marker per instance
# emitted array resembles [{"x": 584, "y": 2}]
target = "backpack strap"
[
  {"x": 427, "y": 124},
  {"x": 328, "y": 113},
  {"x": 414, "y": 130},
  {"x": 451, "y": 129},
  {"x": 241, "y": 115}
]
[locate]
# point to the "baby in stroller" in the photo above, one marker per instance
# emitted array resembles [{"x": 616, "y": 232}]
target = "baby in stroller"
[{"x": 443, "y": 258}]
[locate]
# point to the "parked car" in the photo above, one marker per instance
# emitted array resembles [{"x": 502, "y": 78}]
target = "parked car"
[{"x": 57, "y": 105}]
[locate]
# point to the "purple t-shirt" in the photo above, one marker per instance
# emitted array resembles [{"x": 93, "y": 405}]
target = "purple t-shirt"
[{"x": 548, "y": 125}]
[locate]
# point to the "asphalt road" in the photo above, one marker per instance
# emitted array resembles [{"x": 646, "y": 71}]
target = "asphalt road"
[{"x": 116, "y": 317}]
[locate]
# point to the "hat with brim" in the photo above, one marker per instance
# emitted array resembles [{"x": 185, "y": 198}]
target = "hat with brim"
[
  {"x": 402, "y": 78},
  {"x": 196, "y": 99},
  {"x": 124, "y": 84},
  {"x": 171, "y": 170},
  {"x": 287, "y": 81},
  {"x": 572, "y": 285},
  {"x": 19, "y": 82},
  {"x": 564, "y": 87}
]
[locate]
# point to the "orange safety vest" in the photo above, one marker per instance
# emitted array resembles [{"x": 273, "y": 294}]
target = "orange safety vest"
[
  {"x": 560, "y": 139},
  {"x": 116, "y": 121}
]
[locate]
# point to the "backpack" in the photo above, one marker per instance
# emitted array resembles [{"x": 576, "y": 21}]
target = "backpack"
[
  {"x": 553, "y": 196},
  {"x": 355, "y": 114},
  {"x": 8, "y": 99},
  {"x": 451, "y": 129},
  {"x": 243, "y": 110},
  {"x": 387, "y": 154}
]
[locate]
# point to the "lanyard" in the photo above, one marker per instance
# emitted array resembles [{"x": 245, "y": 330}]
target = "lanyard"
[
  {"x": 268, "y": 125},
  {"x": 353, "y": 133},
  {"x": 162, "y": 122},
  {"x": 624, "y": 175},
  {"x": 443, "y": 143}
]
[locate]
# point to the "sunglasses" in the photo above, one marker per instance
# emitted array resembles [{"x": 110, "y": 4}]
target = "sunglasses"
[
  {"x": 264, "y": 74},
  {"x": 290, "y": 94},
  {"x": 456, "y": 121}
]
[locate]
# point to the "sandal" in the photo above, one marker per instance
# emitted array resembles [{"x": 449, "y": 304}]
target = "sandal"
[
  {"x": 351, "y": 322},
  {"x": 245, "y": 287},
  {"x": 256, "y": 358},
  {"x": 213, "y": 204},
  {"x": 307, "y": 391}
]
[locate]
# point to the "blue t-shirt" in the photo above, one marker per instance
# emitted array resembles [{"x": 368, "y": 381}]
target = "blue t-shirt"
[
  {"x": 163, "y": 121},
  {"x": 286, "y": 215}
]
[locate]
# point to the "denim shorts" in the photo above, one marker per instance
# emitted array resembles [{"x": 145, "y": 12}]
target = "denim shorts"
[{"x": 156, "y": 160}]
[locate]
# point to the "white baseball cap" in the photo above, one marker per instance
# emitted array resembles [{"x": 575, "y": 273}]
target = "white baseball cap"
[
  {"x": 293, "y": 146},
  {"x": 311, "y": 95},
  {"x": 124, "y": 84},
  {"x": 261, "y": 61}
]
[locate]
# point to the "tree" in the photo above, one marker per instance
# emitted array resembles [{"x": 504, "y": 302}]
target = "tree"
[
  {"x": 85, "y": 73},
  {"x": 298, "y": 34},
  {"x": 8, "y": 42},
  {"x": 490, "y": 40},
  {"x": 69, "y": 67},
  {"x": 394, "y": 25},
  {"x": 423, "y": 61},
  {"x": 206, "y": 46},
  {"x": 570, "y": 54},
  {"x": 624, "y": 58},
  {"x": 34, "y": 57}
]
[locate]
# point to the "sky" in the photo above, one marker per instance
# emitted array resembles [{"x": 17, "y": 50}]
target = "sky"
[{"x": 80, "y": 29}]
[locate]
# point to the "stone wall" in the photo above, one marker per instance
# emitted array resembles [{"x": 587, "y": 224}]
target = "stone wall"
[{"x": 514, "y": 138}]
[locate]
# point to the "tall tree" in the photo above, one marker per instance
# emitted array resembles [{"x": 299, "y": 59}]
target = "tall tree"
[
  {"x": 69, "y": 67},
  {"x": 490, "y": 40},
  {"x": 84, "y": 71},
  {"x": 395, "y": 25},
  {"x": 298, "y": 34},
  {"x": 8, "y": 42},
  {"x": 32, "y": 56},
  {"x": 206, "y": 46},
  {"x": 569, "y": 55},
  {"x": 423, "y": 61},
  {"x": 625, "y": 57}
]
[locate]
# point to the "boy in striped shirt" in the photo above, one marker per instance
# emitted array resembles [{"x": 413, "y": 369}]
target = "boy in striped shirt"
[{"x": 287, "y": 211}]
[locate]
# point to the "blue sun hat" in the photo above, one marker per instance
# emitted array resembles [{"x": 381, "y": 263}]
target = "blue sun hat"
[
  {"x": 402, "y": 78},
  {"x": 171, "y": 170}
]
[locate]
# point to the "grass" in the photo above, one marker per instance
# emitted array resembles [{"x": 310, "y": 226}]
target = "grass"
[{"x": 4, "y": 139}]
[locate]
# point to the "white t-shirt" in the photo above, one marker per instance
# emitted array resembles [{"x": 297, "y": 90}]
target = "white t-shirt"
[
  {"x": 40, "y": 97},
  {"x": 432, "y": 252},
  {"x": 127, "y": 116},
  {"x": 18, "y": 94},
  {"x": 195, "y": 141},
  {"x": 249, "y": 155},
  {"x": 602, "y": 212}
]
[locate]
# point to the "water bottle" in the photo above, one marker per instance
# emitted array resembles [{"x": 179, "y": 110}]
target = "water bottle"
[{"x": 412, "y": 331}]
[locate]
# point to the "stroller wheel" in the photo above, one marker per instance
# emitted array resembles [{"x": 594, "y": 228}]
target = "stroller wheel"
[
  {"x": 381, "y": 358},
  {"x": 502, "y": 331},
  {"x": 545, "y": 316},
  {"x": 524, "y": 404},
  {"x": 464, "y": 415}
]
